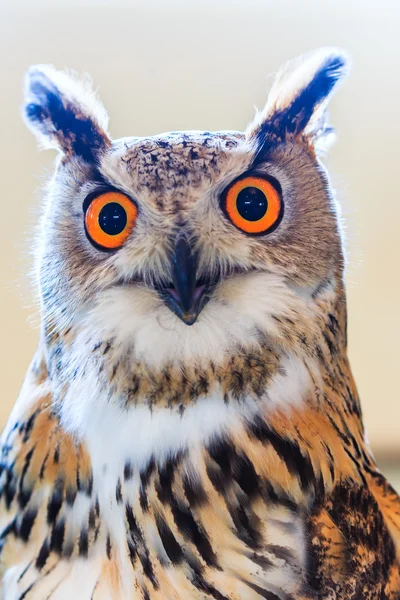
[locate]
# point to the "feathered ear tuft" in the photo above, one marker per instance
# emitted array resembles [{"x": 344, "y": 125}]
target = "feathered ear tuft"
[
  {"x": 298, "y": 98},
  {"x": 64, "y": 113}
]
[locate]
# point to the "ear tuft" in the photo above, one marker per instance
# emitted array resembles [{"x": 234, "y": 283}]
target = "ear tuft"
[
  {"x": 64, "y": 113},
  {"x": 299, "y": 95}
]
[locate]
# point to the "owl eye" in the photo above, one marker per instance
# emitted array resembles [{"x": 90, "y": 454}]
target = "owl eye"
[
  {"x": 253, "y": 204},
  {"x": 109, "y": 220}
]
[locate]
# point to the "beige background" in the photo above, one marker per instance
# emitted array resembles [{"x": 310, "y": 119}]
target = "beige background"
[{"x": 204, "y": 65}]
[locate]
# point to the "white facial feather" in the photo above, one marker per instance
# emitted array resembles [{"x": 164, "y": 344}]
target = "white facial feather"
[{"x": 137, "y": 318}]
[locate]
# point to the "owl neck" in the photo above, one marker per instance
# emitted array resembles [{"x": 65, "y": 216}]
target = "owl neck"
[
  {"x": 276, "y": 370},
  {"x": 101, "y": 393},
  {"x": 293, "y": 415}
]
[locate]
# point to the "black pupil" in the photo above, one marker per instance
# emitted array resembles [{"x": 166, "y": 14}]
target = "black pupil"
[
  {"x": 112, "y": 218},
  {"x": 252, "y": 204}
]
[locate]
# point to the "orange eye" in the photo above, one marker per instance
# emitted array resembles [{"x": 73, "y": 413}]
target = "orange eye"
[
  {"x": 109, "y": 220},
  {"x": 253, "y": 205}
]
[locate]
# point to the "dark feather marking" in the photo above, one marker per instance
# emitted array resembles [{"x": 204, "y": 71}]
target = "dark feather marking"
[
  {"x": 10, "y": 528},
  {"x": 189, "y": 528},
  {"x": 83, "y": 543},
  {"x": 27, "y": 522},
  {"x": 223, "y": 453},
  {"x": 247, "y": 525},
  {"x": 92, "y": 518},
  {"x": 216, "y": 477},
  {"x": 331, "y": 461},
  {"x": 107, "y": 348},
  {"x": 194, "y": 491},
  {"x": 108, "y": 546},
  {"x": 245, "y": 520},
  {"x": 57, "y": 537},
  {"x": 118, "y": 492},
  {"x": 23, "y": 493},
  {"x": 43, "y": 465},
  {"x": 201, "y": 584},
  {"x": 145, "y": 476},
  {"x": 10, "y": 486},
  {"x": 263, "y": 561},
  {"x": 331, "y": 347},
  {"x": 288, "y": 450},
  {"x": 265, "y": 593},
  {"x": 55, "y": 501},
  {"x": 128, "y": 471},
  {"x": 56, "y": 456},
  {"x": 278, "y": 497},
  {"x": 182, "y": 516},
  {"x": 235, "y": 466},
  {"x": 70, "y": 495},
  {"x": 137, "y": 546},
  {"x": 78, "y": 478},
  {"x": 357, "y": 465},
  {"x": 246, "y": 475},
  {"x": 320, "y": 288},
  {"x": 26, "y": 592},
  {"x": 171, "y": 546},
  {"x": 43, "y": 555},
  {"x": 281, "y": 552},
  {"x": 28, "y": 566},
  {"x": 146, "y": 595},
  {"x": 29, "y": 425},
  {"x": 132, "y": 551},
  {"x": 166, "y": 477},
  {"x": 89, "y": 485}
]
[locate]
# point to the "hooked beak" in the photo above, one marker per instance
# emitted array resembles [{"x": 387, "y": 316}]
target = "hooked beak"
[{"x": 187, "y": 296}]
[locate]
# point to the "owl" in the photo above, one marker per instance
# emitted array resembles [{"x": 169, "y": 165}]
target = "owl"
[{"x": 189, "y": 427}]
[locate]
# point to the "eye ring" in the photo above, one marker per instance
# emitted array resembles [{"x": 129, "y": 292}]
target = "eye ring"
[
  {"x": 110, "y": 217},
  {"x": 253, "y": 204}
]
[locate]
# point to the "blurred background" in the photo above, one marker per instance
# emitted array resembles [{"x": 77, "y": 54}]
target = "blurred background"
[{"x": 173, "y": 64}]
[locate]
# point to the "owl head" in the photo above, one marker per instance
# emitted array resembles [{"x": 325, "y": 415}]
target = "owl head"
[{"x": 187, "y": 245}]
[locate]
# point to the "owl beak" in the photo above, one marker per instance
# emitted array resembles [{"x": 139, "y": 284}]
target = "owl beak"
[{"x": 187, "y": 296}]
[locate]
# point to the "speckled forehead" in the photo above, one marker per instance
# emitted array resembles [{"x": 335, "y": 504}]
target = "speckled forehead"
[{"x": 176, "y": 161}]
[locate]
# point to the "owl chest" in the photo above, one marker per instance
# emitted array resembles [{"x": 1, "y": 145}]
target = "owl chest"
[
  {"x": 167, "y": 552},
  {"x": 166, "y": 533},
  {"x": 181, "y": 510}
]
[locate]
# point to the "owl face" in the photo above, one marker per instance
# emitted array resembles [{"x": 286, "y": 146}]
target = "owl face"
[{"x": 186, "y": 244}]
